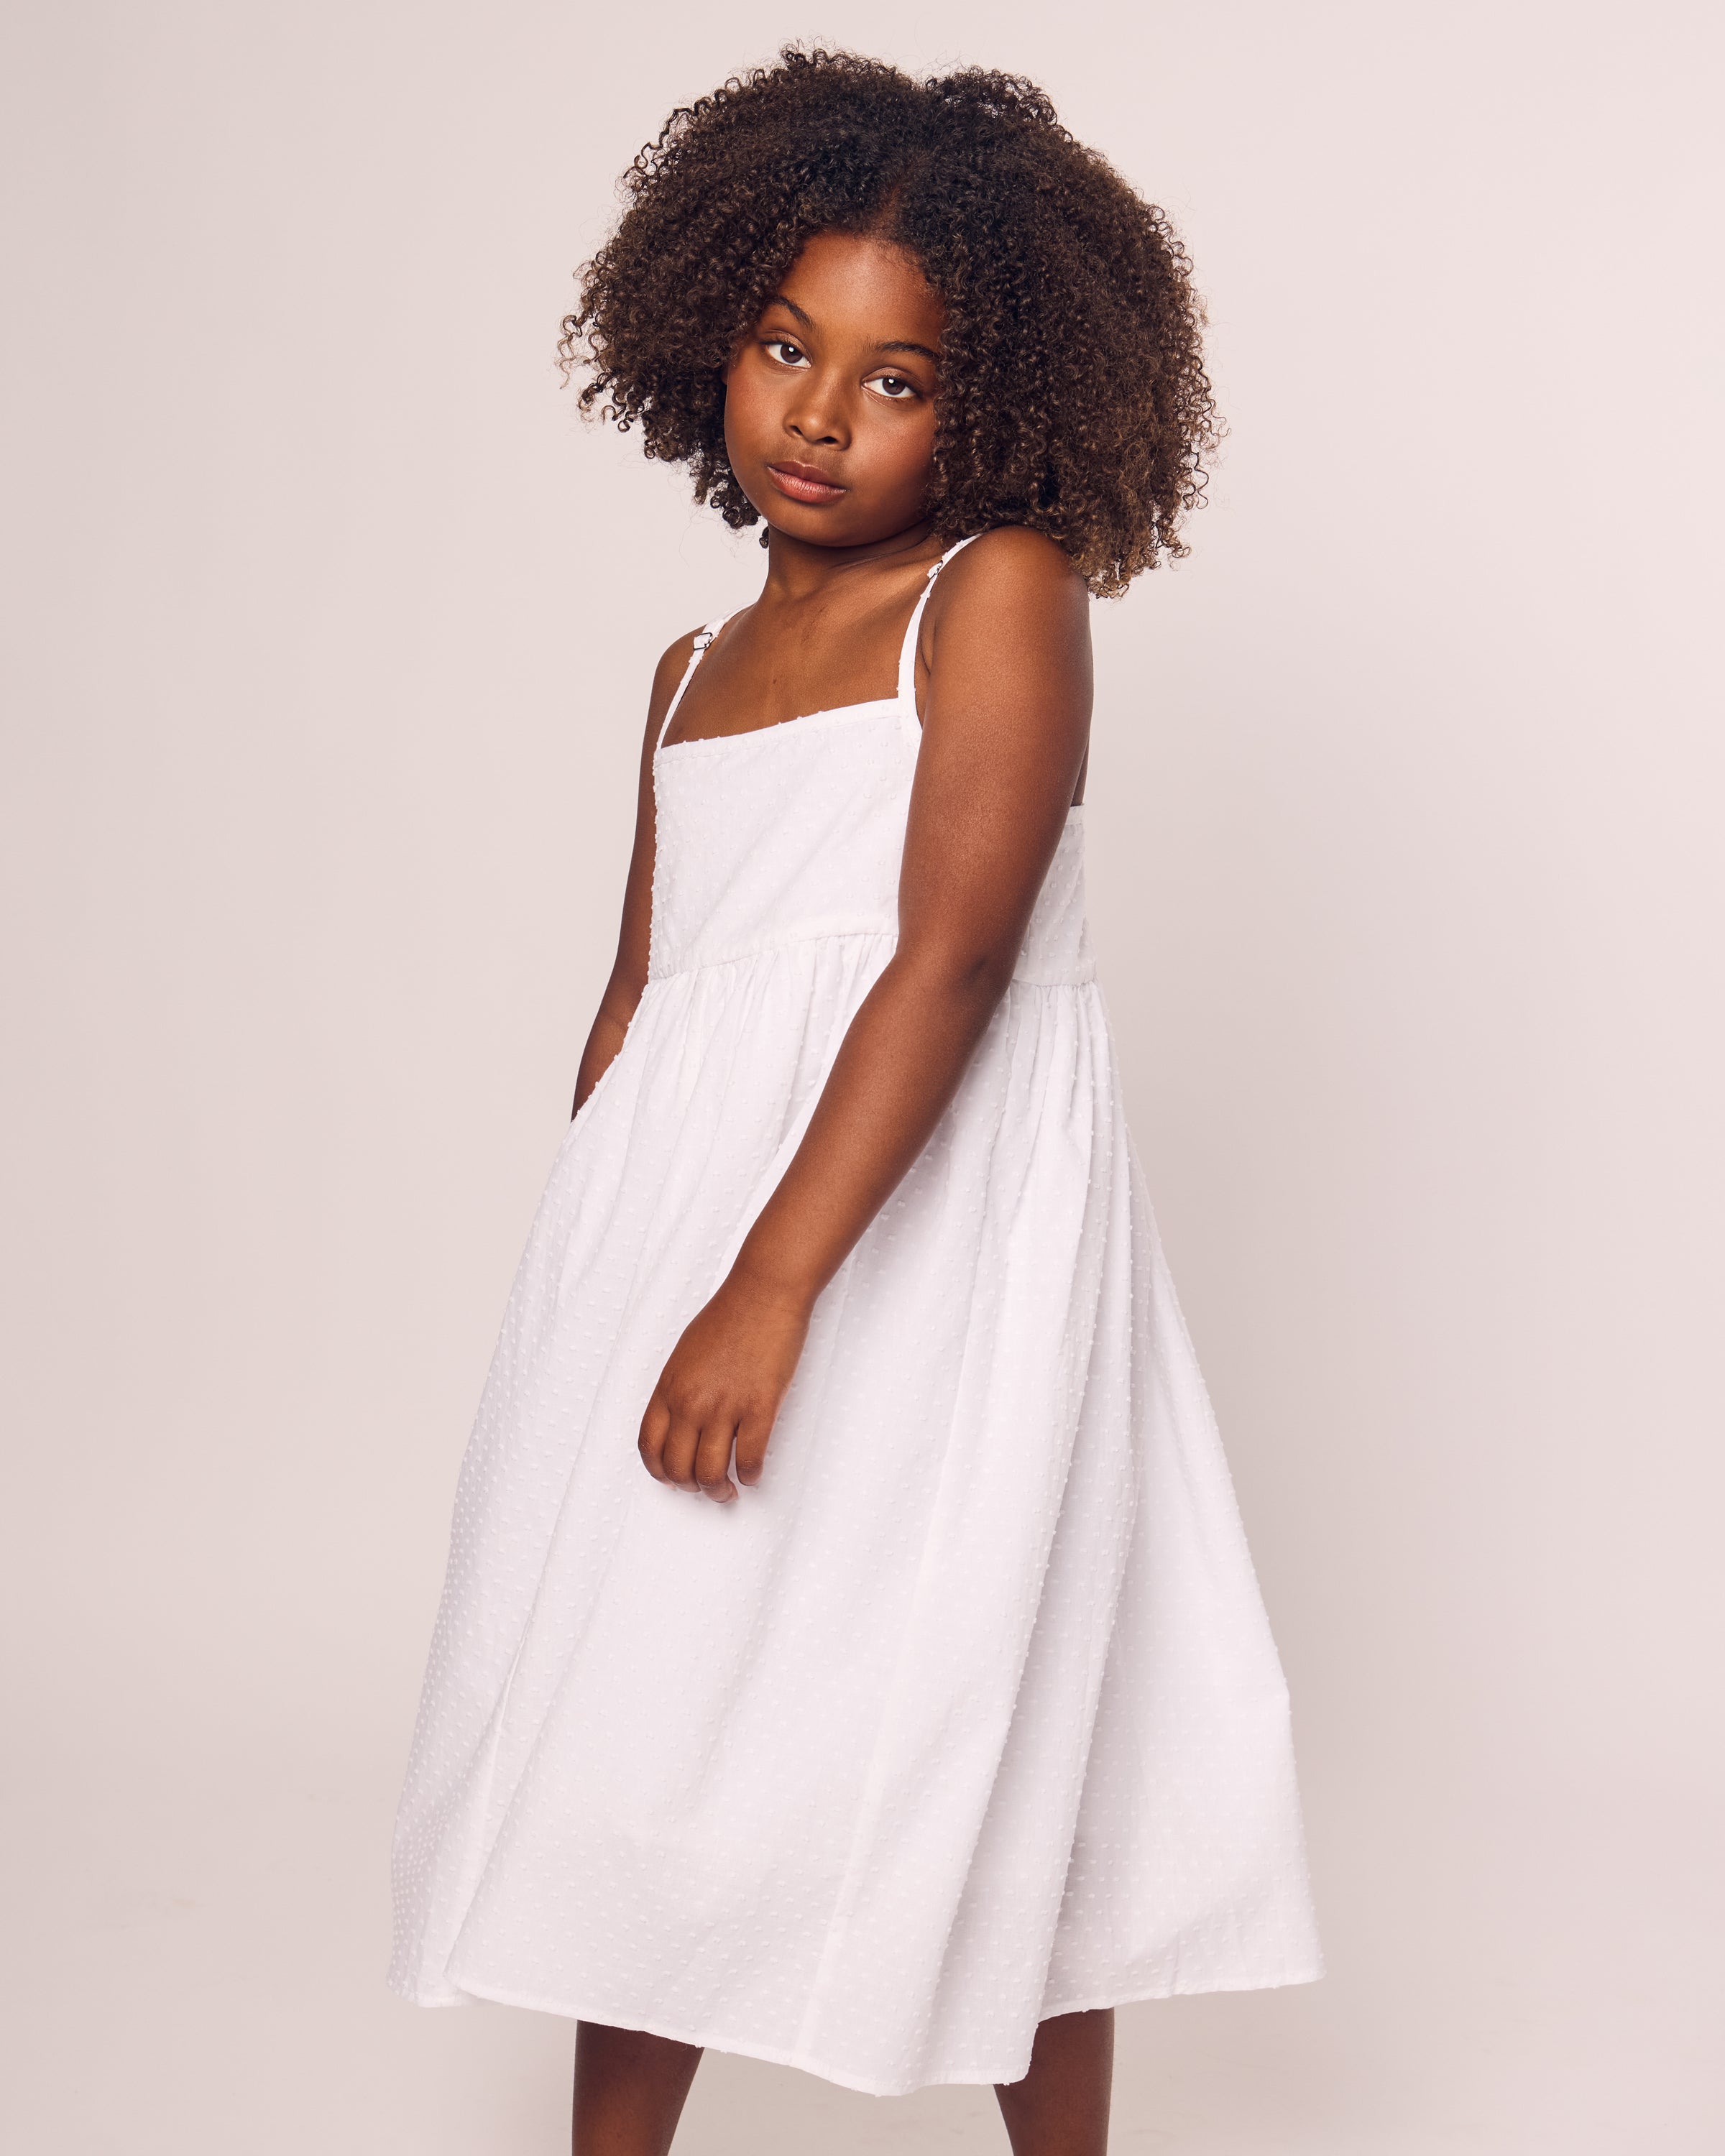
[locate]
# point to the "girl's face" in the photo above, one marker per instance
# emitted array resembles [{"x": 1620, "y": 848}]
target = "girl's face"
[{"x": 829, "y": 399}]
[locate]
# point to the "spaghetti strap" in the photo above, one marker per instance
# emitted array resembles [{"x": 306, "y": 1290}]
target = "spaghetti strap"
[
  {"x": 907, "y": 654},
  {"x": 703, "y": 637}
]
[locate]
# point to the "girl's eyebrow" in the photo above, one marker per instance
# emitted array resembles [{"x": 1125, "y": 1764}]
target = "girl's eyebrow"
[{"x": 889, "y": 344}]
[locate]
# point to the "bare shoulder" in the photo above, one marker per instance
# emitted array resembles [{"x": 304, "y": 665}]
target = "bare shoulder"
[
  {"x": 1016, "y": 577},
  {"x": 1009, "y": 666},
  {"x": 1009, "y": 653},
  {"x": 673, "y": 664}
]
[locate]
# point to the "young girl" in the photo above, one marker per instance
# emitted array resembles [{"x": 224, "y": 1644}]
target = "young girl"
[{"x": 850, "y": 1655}]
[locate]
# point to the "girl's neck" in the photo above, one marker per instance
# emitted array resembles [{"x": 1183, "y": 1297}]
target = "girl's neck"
[{"x": 796, "y": 570}]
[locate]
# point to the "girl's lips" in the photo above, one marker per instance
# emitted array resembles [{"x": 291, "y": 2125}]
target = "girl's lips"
[{"x": 803, "y": 483}]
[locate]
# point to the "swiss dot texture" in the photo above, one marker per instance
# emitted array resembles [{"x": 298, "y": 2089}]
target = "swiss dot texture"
[{"x": 968, "y": 1713}]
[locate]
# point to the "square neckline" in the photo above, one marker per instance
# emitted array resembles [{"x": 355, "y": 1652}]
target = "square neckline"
[
  {"x": 902, "y": 702},
  {"x": 833, "y": 713},
  {"x": 781, "y": 726}
]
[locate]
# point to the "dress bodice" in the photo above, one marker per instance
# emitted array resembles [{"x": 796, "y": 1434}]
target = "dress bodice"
[
  {"x": 792, "y": 833},
  {"x": 796, "y": 832}
]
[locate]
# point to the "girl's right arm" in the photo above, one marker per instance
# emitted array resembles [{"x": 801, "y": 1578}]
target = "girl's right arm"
[{"x": 629, "y": 974}]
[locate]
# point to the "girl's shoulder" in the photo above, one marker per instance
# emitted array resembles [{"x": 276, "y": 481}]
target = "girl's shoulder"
[
  {"x": 1016, "y": 546},
  {"x": 1006, "y": 628},
  {"x": 674, "y": 659},
  {"x": 674, "y": 663},
  {"x": 667, "y": 677},
  {"x": 1010, "y": 574}
]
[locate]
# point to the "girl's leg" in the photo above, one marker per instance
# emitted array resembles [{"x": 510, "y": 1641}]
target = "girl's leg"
[
  {"x": 1060, "y": 2108},
  {"x": 629, "y": 2089}
]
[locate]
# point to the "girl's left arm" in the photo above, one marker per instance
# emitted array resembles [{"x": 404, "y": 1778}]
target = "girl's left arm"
[
  {"x": 1005, "y": 734},
  {"x": 628, "y": 970}
]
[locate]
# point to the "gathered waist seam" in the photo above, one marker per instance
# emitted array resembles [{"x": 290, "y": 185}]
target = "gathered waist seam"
[{"x": 1075, "y": 977}]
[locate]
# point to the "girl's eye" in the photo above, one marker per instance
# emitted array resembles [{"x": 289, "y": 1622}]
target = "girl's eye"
[
  {"x": 786, "y": 353},
  {"x": 895, "y": 388}
]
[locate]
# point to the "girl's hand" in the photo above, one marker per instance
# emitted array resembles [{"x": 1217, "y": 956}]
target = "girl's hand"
[{"x": 722, "y": 1387}]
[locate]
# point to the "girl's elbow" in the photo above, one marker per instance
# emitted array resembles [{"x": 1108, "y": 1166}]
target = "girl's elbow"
[
  {"x": 989, "y": 974},
  {"x": 968, "y": 977},
  {"x": 623, "y": 992}
]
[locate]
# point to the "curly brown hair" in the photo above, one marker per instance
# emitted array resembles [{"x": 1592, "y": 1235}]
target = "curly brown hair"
[{"x": 1072, "y": 394}]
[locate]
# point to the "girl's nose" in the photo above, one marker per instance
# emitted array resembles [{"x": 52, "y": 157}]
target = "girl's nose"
[{"x": 818, "y": 415}]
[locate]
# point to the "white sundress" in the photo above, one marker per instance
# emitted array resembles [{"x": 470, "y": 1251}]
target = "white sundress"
[{"x": 968, "y": 1714}]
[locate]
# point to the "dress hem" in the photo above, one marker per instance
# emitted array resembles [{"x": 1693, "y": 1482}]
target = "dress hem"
[{"x": 470, "y": 1992}]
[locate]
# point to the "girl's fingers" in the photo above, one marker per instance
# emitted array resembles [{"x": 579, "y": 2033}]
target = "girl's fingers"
[
  {"x": 753, "y": 1433},
  {"x": 655, "y": 1428},
  {"x": 712, "y": 1459},
  {"x": 678, "y": 1458},
  {"x": 696, "y": 1455}
]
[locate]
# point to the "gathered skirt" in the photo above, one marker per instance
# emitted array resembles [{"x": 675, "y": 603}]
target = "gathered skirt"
[{"x": 968, "y": 1714}]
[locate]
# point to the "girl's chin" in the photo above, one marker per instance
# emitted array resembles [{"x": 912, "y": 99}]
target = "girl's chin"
[{"x": 802, "y": 520}]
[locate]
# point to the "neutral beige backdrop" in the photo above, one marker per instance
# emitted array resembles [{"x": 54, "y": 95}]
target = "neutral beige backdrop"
[{"x": 332, "y": 630}]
